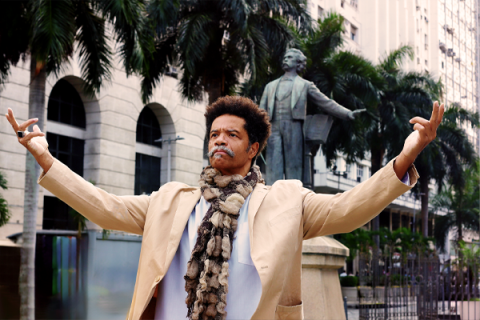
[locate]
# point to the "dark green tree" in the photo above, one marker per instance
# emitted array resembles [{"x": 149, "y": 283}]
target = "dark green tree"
[
  {"x": 462, "y": 204},
  {"x": 218, "y": 43},
  {"x": 4, "y": 212},
  {"x": 49, "y": 32},
  {"x": 445, "y": 158}
]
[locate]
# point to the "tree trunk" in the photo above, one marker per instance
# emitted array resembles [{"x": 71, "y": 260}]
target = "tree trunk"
[
  {"x": 214, "y": 90},
  {"x": 36, "y": 109},
  {"x": 424, "y": 180}
]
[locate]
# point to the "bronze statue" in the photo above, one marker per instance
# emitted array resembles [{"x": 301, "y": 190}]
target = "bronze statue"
[{"x": 285, "y": 100}]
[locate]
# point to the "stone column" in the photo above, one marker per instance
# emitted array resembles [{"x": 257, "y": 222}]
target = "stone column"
[{"x": 321, "y": 292}]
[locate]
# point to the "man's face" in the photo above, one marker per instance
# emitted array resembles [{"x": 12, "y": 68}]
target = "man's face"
[
  {"x": 228, "y": 131},
  {"x": 289, "y": 62}
]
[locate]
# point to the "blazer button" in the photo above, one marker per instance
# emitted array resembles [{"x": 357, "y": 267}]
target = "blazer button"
[{"x": 157, "y": 279}]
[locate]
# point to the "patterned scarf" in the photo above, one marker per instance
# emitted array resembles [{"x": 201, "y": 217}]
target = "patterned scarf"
[{"x": 206, "y": 281}]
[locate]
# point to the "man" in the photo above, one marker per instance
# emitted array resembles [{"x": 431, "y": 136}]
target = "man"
[
  {"x": 285, "y": 100},
  {"x": 234, "y": 244}
]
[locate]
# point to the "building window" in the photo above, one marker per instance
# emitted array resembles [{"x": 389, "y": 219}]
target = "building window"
[
  {"x": 68, "y": 150},
  {"x": 148, "y": 128},
  {"x": 443, "y": 65},
  {"x": 342, "y": 3},
  {"x": 66, "y": 106},
  {"x": 319, "y": 12},
  {"x": 359, "y": 170},
  {"x": 147, "y": 174},
  {"x": 353, "y": 32},
  {"x": 147, "y": 166},
  {"x": 426, "y": 62}
]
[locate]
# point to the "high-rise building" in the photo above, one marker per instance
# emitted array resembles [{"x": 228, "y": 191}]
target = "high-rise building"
[{"x": 445, "y": 40}]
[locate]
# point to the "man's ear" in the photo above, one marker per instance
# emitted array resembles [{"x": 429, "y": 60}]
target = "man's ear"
[{"x": 252, "y": 152}]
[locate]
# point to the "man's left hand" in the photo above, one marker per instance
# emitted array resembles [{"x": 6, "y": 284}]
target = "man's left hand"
[{"x": 424, "y": 133}]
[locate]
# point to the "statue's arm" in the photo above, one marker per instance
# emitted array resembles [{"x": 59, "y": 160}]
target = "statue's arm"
[{"x": 324, "y": 104}]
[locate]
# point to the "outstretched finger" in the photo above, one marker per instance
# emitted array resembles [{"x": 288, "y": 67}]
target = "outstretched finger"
[
  {"x": 11, "y": 118},
  {"x": 434, "y": 116},
  {"x": 27, "y": 124},
  {"x": 36, "y": 128},
  {"x": 441, "y": 111}
]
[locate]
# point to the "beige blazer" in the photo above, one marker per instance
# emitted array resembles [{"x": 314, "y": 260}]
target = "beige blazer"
[{"x": 280, "y": 217}]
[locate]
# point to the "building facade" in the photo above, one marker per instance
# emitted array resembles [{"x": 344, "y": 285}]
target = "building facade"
[
  {"x": 109, "y": 139},
  {"x": 445, "y": 39}
]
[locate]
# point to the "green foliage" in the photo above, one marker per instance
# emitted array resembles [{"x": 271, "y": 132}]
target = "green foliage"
[
  {"x": 357, "y": 241},
  {"x": 51, "y": 31},
  {"x": 5, "y": 214},
  {"x": 462, "y": 204},
  {"x": 402, "y": 241},
  {"x": 217, "y": 43},
  {"x": 349, "y": 281}
]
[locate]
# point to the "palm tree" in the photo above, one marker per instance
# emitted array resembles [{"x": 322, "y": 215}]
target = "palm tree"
[
  {"x": 462, "y": 204},
  {"x": 447, "y": 155},
  {"x": 218, "y": 43},
  {"x": 49, "y": 31},
  {"x": 4, "y": 212}
]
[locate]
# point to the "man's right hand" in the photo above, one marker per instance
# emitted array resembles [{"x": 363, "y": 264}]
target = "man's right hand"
[{"x": 34, "y": 142}]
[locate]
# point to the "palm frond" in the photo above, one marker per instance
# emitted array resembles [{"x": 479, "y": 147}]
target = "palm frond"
[
  {"x": 94, "y": 53},
  {"x": 14, "y": 35},
  {"x": 393, "y": 62},
  {"x": 53, "y": 32}
]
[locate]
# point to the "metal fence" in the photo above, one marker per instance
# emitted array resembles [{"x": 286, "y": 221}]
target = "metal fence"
[{"x": 410, "y": 286}]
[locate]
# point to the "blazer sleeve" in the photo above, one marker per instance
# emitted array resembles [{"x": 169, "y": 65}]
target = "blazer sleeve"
[
  {"x": 325, "y": 104},
  {"x": 124, "y": 213},
  {"x": 344, "y": 212}
]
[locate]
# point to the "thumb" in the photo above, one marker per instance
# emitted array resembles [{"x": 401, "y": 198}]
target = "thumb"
[{"x": 36, "y": 129}]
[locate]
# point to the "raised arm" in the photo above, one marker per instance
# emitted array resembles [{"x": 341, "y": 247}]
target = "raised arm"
[{"x": 107, "y": 210}]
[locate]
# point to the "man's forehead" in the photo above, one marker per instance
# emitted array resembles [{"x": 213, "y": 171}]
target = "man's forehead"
[{"x": 228, "y": 122}]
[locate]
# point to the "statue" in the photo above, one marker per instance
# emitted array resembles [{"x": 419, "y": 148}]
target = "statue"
[{"x": 293, "y": 132}]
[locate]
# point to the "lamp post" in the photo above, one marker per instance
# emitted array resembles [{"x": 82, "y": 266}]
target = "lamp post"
[
  {"x": 169, "y": 157},
  {"x": 415, "y": 210},
  {"x": 339, "y": 174}
]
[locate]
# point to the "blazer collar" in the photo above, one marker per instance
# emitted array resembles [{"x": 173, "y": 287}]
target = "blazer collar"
[
  {"x": 188, "y": 200},
  {"x": 256, "y": 200},
  {"x": 271, "y": 96}
]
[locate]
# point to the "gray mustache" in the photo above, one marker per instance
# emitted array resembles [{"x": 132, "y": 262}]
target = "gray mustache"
[{"x": 228, "y": 151}]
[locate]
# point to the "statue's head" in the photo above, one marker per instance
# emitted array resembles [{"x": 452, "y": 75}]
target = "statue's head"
[{"x": 300, "y": 58}]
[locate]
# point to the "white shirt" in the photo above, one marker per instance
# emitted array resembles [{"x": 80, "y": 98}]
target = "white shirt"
[{"x": 244, "y": 286}]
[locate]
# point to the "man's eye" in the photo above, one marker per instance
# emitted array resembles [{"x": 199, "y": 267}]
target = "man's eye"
[{"x": 233, "y": 135}]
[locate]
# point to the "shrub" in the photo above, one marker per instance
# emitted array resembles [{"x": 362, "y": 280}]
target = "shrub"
[{"x": 349, "y": 281}]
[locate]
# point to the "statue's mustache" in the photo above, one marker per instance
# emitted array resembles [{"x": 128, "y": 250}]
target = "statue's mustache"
[{"x": 216, "y": 148}]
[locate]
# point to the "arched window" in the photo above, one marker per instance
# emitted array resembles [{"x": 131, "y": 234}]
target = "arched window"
[
  {"x": 148, "y": 128},
  {"x": 147, "y": 161},
  {"x": 66, "y": 106},
  {"x": 65, "y": 135}
]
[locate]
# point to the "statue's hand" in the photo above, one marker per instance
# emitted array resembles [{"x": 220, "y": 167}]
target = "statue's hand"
[{"x": 355, "y": 113}]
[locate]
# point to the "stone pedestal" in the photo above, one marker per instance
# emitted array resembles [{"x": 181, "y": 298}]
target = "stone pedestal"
[{"x": 321, "y": 292}]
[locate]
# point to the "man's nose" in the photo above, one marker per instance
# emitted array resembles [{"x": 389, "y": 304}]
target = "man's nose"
[{"x": 220, "y": 140}]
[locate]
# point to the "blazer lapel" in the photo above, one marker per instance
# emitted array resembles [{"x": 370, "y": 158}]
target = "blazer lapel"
[
  {"x": 271, "y": 96},
  {"x": 256, "y": 200},
  {"x": 296, "y": 90},
  {"x": 187, "y": 202}
]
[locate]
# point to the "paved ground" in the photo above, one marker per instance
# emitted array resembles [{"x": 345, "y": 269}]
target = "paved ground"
[{"x": 352, "y": 314}]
